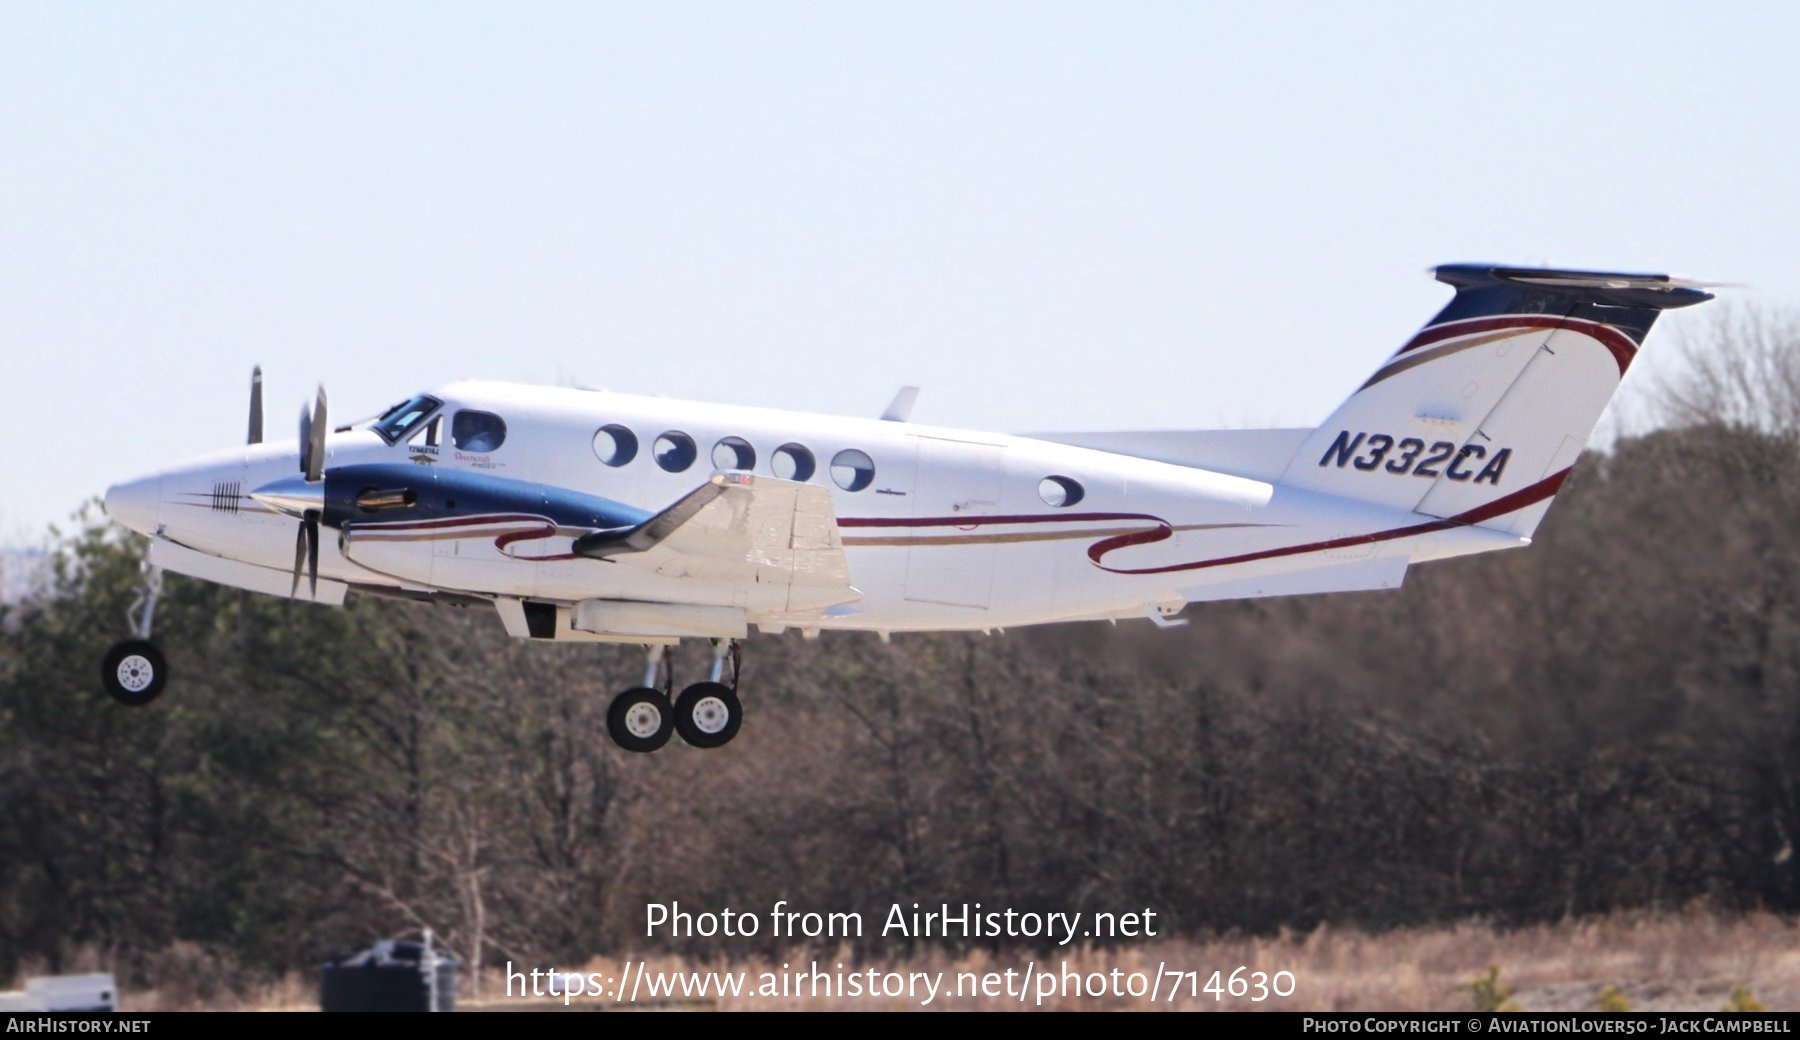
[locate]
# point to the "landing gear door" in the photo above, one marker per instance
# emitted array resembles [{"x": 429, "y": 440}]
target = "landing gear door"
[{"x": 957, "y": 483}]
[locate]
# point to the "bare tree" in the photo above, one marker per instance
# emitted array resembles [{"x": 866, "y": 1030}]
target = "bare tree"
[{"x": 1742, "y": 372}]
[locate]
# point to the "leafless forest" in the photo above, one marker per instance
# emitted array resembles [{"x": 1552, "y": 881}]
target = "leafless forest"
[{"x": 1606, "y": 722}]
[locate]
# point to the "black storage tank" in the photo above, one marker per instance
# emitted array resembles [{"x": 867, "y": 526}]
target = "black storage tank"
[{"x": 390, "y": 975}]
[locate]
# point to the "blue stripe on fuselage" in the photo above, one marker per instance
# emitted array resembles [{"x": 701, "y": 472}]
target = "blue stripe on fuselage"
[{"x": 443, "y": 493}]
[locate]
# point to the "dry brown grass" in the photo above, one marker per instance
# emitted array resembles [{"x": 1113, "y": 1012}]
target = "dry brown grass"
[{"x": 1686, "y": 961}]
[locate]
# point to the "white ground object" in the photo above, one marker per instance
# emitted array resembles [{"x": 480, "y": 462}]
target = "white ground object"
[
  {"x": 590, "y": 515},
  {"x": 63, "y": 993}
]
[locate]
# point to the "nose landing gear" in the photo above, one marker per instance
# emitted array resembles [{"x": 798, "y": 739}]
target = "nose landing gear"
[
  {"x": 707, "y": 714},
  {"x": 133, "y": 671}
]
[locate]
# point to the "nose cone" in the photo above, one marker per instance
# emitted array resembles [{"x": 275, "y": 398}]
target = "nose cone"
[
  {"x": 292, "y": 495},
  {"x": 136, "y": 503}
]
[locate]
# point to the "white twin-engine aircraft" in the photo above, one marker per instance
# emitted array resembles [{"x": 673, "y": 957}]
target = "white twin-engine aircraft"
[{"x": 589, "y": 515}]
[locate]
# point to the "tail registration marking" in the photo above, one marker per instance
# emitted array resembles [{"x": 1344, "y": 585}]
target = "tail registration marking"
[{"x": 1380, "y": 451}]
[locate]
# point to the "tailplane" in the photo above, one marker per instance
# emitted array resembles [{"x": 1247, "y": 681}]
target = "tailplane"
[{"x": 1478, "y": 418}]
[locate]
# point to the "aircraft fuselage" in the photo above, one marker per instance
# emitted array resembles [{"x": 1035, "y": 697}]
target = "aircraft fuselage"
[{"x": 942, "y": 528}]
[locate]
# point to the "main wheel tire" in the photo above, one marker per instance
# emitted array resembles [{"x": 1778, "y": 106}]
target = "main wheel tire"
[
  {"x": 640, "y": 719},
  {"x": 134, "y": 672},
  {"x": 708, "y": 714}
]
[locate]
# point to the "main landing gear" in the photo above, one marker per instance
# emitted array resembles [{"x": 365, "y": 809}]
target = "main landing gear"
[
  {"x": 134, "y": 671},
  {"x": 707, "y": 714}
]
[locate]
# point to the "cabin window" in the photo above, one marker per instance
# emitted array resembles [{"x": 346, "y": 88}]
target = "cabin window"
[
  {"x": 733, "y": 453},
  {"x": 615, "y": 445},
  {"x": 403, "y": 418},
  {"x": 675, "y": 451},
  {"x": 1060, "y": 492},
  {"x": 852, "y": 470},
  {"x": 793, "y": 462},
  {"x": 477, "y": 431}
]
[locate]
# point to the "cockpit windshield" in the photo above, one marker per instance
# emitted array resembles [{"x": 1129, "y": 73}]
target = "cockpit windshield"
[{"x": 405, "y": 417}]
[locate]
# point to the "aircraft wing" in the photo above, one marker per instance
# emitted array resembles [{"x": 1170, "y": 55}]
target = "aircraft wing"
[
  {"x": 774, "y": 543},
  {"x": 601, "y": 545}
]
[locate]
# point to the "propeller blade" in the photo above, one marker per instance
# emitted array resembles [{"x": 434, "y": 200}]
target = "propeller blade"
[
  {"x": 299, "y": 558},
  {"x": 311, "y": 525},
  {"x": 315, "y": 445},
  {"x": 305, "y": 439},
  {"x": 256, "y": 423}
]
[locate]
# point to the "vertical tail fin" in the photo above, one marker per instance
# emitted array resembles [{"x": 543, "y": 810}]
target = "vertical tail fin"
[{"x": 1478, "y": 418}]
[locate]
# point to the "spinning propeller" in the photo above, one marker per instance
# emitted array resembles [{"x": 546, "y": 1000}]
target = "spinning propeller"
[{"x": 301, "y": 496}]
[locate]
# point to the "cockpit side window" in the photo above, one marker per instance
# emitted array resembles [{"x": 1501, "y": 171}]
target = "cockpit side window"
[
  {"x": 477, "y": 431},
  {"x": 403, "y": 418}
]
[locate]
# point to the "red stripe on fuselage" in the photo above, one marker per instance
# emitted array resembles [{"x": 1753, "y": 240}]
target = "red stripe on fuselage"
[
  {"x": 449, "y": 521},
  {"x": 542, "y": 527},
  {"x": 1528, "y": 496},
  {"x": 1161, "y": 530}
]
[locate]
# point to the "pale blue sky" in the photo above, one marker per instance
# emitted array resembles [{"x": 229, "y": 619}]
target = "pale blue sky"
[{"x": 1050, "y": 216}]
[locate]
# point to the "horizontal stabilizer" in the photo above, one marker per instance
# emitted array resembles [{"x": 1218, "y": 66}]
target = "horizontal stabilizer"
[{"x": 1606, "y": 288}]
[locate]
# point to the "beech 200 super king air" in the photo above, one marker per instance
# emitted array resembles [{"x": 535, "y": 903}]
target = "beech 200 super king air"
[{"x": 590, "y": 515}]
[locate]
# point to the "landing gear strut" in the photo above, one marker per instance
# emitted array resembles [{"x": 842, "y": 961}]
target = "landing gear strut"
[
  {"x": 133, "y": 671},
  {"x": 707, "y": 714}
]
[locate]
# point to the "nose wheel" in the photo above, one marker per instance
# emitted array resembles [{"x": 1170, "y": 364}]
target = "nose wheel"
[
  {"x": 133, "y": 672},
  {"x": 707, "y": 714}
]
